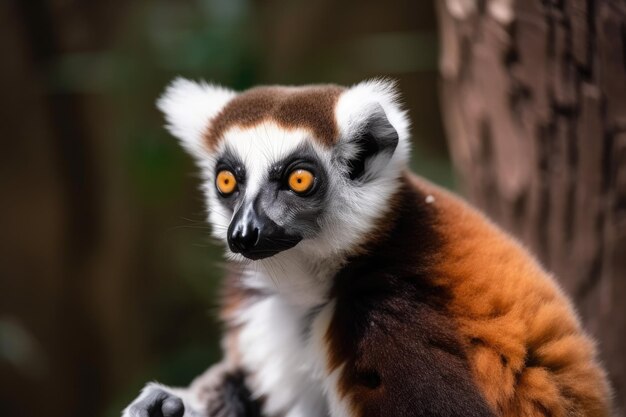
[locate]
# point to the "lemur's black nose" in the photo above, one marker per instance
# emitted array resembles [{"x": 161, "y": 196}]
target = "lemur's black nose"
[
  {"x": 254, "y": 235},
  {"x": 244, "y": 238}
]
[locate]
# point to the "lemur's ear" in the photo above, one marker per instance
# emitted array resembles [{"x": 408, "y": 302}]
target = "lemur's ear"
[
  {"x": 373, "y": 129},
  {"x": 189, "y": 107}
]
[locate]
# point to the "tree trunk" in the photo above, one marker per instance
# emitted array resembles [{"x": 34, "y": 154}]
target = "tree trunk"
[{"x": 534, "y": 101}]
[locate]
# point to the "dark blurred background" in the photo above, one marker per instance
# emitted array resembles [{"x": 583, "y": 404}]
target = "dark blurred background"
[{"x": 108, "y": 277}]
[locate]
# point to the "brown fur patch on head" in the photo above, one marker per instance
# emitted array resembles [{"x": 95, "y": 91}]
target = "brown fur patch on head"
[{"x": 308, "y": 107}]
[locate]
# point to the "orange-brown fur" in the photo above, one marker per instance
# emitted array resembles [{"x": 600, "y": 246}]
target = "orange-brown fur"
[{"x": 525, "y": 345}]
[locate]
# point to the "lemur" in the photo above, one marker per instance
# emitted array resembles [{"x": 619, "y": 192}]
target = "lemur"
[{"x": 361, "y": 289}]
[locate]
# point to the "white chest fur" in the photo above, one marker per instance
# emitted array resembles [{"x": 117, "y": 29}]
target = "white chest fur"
[
  {"x": 282, "y": 337},
  {"x": 275, "y": 342}
]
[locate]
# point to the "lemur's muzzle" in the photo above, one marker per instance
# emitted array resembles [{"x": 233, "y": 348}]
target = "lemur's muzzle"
[{"x": 255, "y": 236}]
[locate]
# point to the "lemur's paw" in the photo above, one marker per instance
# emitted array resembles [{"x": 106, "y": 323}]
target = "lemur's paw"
[{"x": 154, "y": 401}]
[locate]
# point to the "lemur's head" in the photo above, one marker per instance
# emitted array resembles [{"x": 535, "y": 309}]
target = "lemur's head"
[{"x": 290, "y": 169}]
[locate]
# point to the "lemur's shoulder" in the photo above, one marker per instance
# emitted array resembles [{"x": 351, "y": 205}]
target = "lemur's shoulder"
[
  {"x": 391, "y": 340},
  {"x": 525, "y": 345}
]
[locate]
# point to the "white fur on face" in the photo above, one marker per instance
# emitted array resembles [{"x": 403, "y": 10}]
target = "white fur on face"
[
  {"x": 353, "y": 206},
  {"x": 258, "y": 147},
  {"x": 357, "y": 205}
]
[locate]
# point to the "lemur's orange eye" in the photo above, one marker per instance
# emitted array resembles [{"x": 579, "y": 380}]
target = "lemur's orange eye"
[
  {"x": 226, "y": 182},
  {"x": 301, "y": 180}
]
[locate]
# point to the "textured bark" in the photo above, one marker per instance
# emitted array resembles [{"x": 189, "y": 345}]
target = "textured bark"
[{"x": 534, "y": 102}]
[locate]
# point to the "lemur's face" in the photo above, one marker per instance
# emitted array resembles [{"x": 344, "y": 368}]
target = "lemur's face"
[
  {"x": 306, "y": 169},
  {"x": 270, "y": 189}
]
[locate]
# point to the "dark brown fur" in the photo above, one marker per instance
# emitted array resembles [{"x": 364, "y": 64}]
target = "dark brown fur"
[
  {"x": 391, "y": 330},
  {"x": 309, "y": 107},
  {"x": 447, "y": 316}
]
